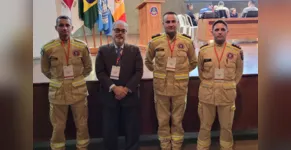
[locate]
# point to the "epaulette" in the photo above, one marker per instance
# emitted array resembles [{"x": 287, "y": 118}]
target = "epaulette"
[
  {"x": 80, "y": 41},
  {"x": 204, "y": 45},
  {"x": 156, "y": 35},
  {"x": 234, "y": 45},
  {"x": 187, "y": 36}
]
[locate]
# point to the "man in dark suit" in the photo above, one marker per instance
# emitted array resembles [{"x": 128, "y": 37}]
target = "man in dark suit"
[{"x": 119, "y": 68}]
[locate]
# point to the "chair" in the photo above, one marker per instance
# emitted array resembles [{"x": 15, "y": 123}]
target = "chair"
[
  {"x": 191, "y": 27},
  {"x": 222, "y": 13},
  {"x": 251, "y": 14},
  {"x": 182, "y": 22}
]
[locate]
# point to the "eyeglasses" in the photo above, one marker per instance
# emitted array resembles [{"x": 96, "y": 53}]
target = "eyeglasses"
[
  {"x": 169, "y": 21},
  {"x": 117, "y": 30}
]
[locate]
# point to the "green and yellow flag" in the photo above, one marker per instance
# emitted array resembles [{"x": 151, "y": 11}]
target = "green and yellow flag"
[{"x": 88, "y": 12}]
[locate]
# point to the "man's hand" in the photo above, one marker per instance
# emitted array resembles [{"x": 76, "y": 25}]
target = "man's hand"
[{"x": 120, "y": 92}]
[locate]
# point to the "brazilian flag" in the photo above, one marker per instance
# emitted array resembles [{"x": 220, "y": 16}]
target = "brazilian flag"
[{"x": 88, "y": 12}]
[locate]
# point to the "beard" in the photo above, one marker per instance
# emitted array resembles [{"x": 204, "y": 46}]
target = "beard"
[
  {"x": 171, "y": 34},
  {"x": 220, "y": 41}
]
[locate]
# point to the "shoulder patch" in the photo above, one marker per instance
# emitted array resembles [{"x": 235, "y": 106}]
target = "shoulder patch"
[
  {"x": 187, "y": 36},
  {"x": 204, "y": 45},
  {"x": 237, "y": 46},
  {"x": 157, "y": 35}
]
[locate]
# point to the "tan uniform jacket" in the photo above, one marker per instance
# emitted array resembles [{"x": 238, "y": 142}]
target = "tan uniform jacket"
[
  {"x": 171, "y": 83},
  {"x": 219, "y": 92},
  {"x": 53, "y": 59}
]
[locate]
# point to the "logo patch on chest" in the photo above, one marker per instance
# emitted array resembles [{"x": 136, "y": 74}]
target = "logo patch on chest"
[
  {"x": 76, "y": 53},
  {"x": 181, "y": 46},
  {"x": 230, "y": 55}
]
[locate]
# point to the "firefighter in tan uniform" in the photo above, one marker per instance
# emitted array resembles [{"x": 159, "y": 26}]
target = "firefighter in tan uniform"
[
  {"x": 220, "y": 67},
  {"x": 66, "y": 62},
  {"x": 175, "y": 57}
]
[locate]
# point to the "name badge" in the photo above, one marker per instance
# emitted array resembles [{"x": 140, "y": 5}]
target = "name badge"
[
  {"x": 115, "y": 72},
  {"x": 219, "y": 74},
  {"x": 68, "y": 72},
  {"x": 171, "y": 64}
]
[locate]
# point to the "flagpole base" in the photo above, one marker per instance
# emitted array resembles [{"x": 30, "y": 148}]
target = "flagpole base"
[{"x": 93, "y": 51}]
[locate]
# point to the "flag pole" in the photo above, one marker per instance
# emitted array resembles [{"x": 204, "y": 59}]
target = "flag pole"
[
  {"x": 107, "y": 39},
  {"x": 85, "y": 35},
  {"x": 94, "y": 37},
  {"x": 100, "y": 38},
  {"x": 94, "y": 50}
]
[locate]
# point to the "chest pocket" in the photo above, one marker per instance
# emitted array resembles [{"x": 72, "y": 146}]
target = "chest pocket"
[
  {"x": 207, "y": 66},
  {"x": 230, "y": 68},
  {"x": 160, "y": 52},
  {"x": 54, "y": 61},
  {"x": 182, "y": 56},
  {"x": 77, "y": 60}
]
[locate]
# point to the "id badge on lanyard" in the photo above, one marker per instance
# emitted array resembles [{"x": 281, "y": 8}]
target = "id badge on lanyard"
[
  {"x": 68, "y": 69},
  {"x": 115, "y": 70}
]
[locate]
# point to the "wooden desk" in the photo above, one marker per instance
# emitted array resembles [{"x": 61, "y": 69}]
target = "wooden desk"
[{"x": 239, "y": 28}]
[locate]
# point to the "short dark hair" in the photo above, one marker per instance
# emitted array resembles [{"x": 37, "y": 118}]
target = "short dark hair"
[
  {"x": 188, "y": 5},
  {"x": 63, "y": 17},
  {"x": 169, "y": 13},
  {"x": 253, "y": 2},
  {"x": 219, "y": 21}
]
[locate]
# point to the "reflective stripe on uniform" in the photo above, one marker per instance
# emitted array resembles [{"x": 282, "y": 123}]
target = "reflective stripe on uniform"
[
  {"x": 206, "y": 83},
  {"x": 229, "y": 85},
  {"x": 233, "y": 107},
  {"x": 225, "y": 144},
  {"x": 177, "y": 138},
  {"x": 204, "y": 143},
  {"x": 83, "y": 142},
  {"x": 159, "y": 75},
  {"x": 56, "y": 84},
  {"x": 79, "y": 82},
  {"x": 54, "y": 44},
  {"x": 58, "y": 145},
  {"x": 181, "y": 76}
]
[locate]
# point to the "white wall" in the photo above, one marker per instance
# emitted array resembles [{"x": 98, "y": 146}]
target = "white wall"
[{"x": 44, "y": 16}]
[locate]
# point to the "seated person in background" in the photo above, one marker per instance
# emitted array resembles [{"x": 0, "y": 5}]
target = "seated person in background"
[
  {"x": 220, "y": 6},
  {"x": 251, "y": 7},
  {"x": 233, "y": 13},
  {"x": 208, "y": 8},
  {"x": 190, "y": 13}
]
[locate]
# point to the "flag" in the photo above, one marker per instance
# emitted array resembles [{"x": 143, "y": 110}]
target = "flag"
[
  {"x": 119, "y": 10},
  {"x": 68, "y": 8},
  {"x": 88, "y": 12},
  {"x": 104, "y": 20}
]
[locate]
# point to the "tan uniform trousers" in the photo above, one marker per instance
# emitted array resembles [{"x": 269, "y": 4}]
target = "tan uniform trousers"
[
  {"x": 58, "y": 117},
  {"x": 207, "y": 114},
  {"x": 170, "y": 107}
]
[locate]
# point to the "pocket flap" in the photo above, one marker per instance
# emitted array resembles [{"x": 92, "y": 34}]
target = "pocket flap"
[{"x": 182, "y": 53}]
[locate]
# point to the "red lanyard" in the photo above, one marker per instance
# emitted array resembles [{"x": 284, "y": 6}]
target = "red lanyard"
[
  {"x": 119, "y": 57},
  {"x": 219, "y": 59},
  {"x": 67, "y": 54},
  {"x": 171, "y": 48}
]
